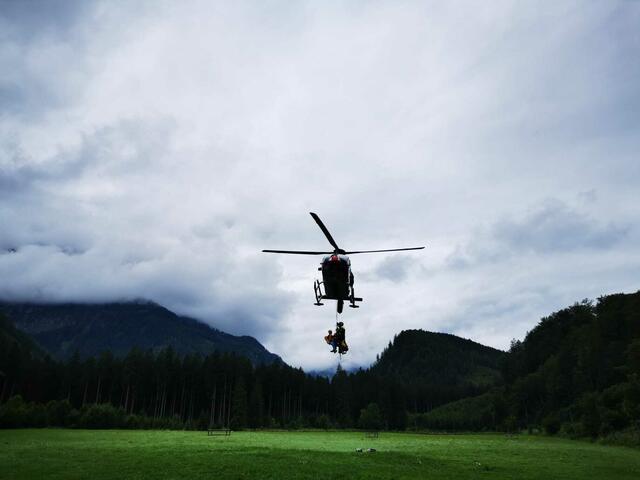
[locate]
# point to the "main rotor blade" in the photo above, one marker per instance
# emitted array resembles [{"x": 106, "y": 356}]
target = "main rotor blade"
[
  {"x": 389, "y": 250},
  {"x": 325, "y": 231},
  {"x": 297, "y": 252}
]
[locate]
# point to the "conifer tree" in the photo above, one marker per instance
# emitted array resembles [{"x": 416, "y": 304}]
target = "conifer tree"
[
  {"x": 239, "y": 405},
  {"x": 256, "y": 406}
]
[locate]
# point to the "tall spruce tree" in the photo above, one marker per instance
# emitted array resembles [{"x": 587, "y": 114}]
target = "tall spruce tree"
[
  {"x": 256, "y": 406},
  {"x": 239, "y": 405}
]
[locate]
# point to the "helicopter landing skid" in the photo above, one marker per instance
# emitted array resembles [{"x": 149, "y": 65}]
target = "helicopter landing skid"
[
  {"x": 317, "y": 291},
  {"x": 353, "y": 299}
]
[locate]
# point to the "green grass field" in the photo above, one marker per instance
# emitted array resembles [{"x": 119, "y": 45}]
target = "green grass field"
[{"x": 119, "y": 454}]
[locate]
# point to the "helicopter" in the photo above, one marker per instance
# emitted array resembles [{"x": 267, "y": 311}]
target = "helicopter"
[{"x": 337, "y": 277}]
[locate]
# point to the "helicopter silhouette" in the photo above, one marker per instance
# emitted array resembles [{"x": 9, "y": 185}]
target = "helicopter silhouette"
[{"x": 337, "y": 277}]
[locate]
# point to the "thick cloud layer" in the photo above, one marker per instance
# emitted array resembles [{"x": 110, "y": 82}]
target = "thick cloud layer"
[{"x": 153, "y": 149}]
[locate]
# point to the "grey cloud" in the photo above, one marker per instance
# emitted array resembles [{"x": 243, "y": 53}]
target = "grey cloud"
[
  {"x": 68, "y": 213},
  {"x": 153, "y": 149},
  {"x": 25, "y": 20},
  {"x": 180, "y": 283},
  {"x": 28, "y": 98},
  {"x": 550, "y": 228},
  {"x": 12, "y": 98},
  {"x": 128, "y": 146},
  {"x": 395, "y": 268},
  {"x": 22, "y": 177},
  {"x": 555, "y": 227},
  {"x": 589, "y": 196},
  {"x": 42, "y": 53}
]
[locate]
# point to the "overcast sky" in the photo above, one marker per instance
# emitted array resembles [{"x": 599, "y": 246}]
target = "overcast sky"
[{"x": 152, "y": 149}]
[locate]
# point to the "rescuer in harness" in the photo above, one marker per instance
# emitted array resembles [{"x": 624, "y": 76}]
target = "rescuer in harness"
[{"x": 339, "y": 339}]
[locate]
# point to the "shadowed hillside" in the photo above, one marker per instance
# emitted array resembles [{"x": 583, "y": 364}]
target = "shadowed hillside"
[
  {"x": 440, "y": 359},
  {"x": 577, "y": 371},
  {"x": 90, "y": 329},
  {"x": 13, "y": 339}
]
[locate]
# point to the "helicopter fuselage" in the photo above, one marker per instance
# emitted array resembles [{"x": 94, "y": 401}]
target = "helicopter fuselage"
[{"x": 337, "y": 278}]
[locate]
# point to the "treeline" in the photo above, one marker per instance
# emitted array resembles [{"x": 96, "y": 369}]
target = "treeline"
[
  {"x": 577, "y": 373},
  {"x": 164, "y": 390},
  {"x": 167, "y": 390}
]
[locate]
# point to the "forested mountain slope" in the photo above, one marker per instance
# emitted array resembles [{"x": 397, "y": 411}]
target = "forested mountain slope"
[
  {"x": 439, "y": 359},
  {"x": 90, "y": 329},
  {"x": 578, "y": 370},
  {"x": 11, "y": 338},
  {"x": 431, "y": 369}
]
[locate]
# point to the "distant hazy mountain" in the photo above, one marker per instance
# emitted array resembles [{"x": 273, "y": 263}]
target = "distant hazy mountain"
[
  {"x": 62, "y": 329},
  {"x": 421, "y": 357}
]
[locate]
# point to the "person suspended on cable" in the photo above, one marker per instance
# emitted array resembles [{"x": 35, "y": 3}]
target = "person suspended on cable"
[
  {"x": 331, "y": 340},
  {"x": 341, "y": 339}
]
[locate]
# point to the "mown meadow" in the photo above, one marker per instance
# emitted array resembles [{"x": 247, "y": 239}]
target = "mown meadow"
[{"x": 122, "y": 454}]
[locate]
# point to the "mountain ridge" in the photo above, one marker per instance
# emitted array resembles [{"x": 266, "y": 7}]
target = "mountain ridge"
[{"x": 61, "y": 329}]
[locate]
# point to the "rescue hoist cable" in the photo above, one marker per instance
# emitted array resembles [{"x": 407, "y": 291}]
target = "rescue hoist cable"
[{"x": 339, "y": 346}]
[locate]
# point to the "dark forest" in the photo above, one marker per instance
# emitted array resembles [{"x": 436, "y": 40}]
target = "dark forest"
[{"x": 576, "y": 373}]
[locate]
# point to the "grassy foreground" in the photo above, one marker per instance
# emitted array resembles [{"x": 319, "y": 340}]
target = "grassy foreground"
[{"x": 120, "y": 454}]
